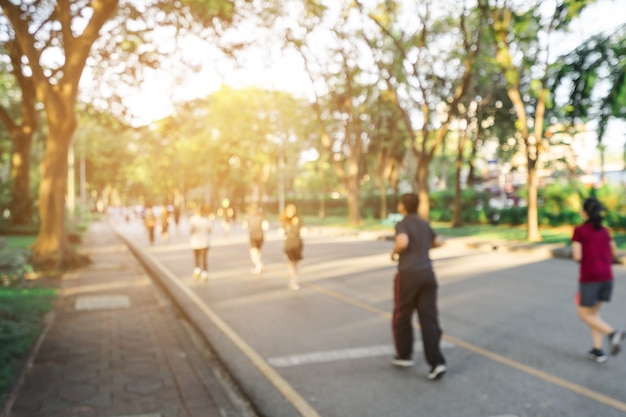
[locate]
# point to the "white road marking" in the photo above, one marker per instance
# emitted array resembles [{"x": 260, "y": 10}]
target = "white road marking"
[
  {"x": 340, "y": 355},
  {"x": 102, "y": 302}
]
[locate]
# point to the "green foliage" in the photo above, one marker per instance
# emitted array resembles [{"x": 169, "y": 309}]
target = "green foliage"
[
  {"x": 560, "y": 204},
  {"x": 21, "y": 313},
  {"x": 14, "y": 264},
  {"x": 473, "y": 206},
  {"x": 614, "y": 200},
  {"x": 595, "y": 74}
]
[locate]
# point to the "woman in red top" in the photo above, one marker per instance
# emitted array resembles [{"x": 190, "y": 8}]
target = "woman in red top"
[{"x": 594, "y": 249}]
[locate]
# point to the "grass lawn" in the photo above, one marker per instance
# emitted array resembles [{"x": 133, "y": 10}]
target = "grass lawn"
[
  {"x": 19, "y": 242},
  {"x": 21, "y": 312},
  {"x": 561, "y": 235}
]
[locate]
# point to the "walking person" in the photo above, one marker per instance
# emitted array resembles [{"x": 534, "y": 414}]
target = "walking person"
[
  {"x": 594, "y": 249},
  {"x": 293, "y": 229},
  {"x": 165, "y": 223},
  {"x": 200, "y": 231},
  {"x": 149, "y": 220},
  {"x": 257, "y": 224},
  {"x": 415, "y": 289}
]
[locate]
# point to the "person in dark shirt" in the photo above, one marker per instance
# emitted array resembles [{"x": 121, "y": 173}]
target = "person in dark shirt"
[
  {"x": 149, "y": 220},
  {"x": 415, "y": 289},
  {"x": 594, "y": 249},
  {"x": 293, "y": 229}
]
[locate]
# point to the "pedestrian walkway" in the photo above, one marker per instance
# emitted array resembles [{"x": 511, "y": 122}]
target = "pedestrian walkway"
[{"x": 115, "y": 346}]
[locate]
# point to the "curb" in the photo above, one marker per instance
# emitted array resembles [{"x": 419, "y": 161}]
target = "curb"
[{"x": 244, "y": 406}]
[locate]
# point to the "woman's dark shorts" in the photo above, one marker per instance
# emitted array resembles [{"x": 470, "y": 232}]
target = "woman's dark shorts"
[
  {"x": 593, "y": 292},
  {"x": 293, "y": 250},
  {"x": 256, "y": 243}
]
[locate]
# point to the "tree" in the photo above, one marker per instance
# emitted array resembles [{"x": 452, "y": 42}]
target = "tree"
[
  {"x": 521, "y": 48},
  {"x": 342, "y": 90},
  {"x": 103, "y": 144},
  {"x": 55, "y": 42},
  {"x": 421, "y": 69},
  {"x": 595, "y": 74},
  {"x": 21, "y": 126},
  {"x": 388, "y": 147}
]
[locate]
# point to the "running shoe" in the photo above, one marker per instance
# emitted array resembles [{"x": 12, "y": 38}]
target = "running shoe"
[
  {"x": 597, "y": 355},
  {"x": 615, "y": 339},
  {"x": 196, "y": 273},
  {"x": 402, "y": 363},
  {"x": 437, "y": 372},
  {"x": 204, "y": 276}
]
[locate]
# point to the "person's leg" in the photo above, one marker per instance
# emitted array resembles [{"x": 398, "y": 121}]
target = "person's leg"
[
  {"x": 259, "y": 244},
  {"x": 292, "y": 267},
  {"x": 591, "y": 317},
  {"x": 255, "y": 257},
  {"x": 196, "y": 262},
  {"x": 204, "y": 263},
  {"x": 426, "y": 302},
  {"x": 402, "y": 326}
]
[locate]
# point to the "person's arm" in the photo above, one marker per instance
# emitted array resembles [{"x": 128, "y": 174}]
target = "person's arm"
[
  {"x": 577, "y": 251},
  {"x": 401, "y": 243},
  {"x": 613, "y": 249},
  {"x": 437, "y": 242}
]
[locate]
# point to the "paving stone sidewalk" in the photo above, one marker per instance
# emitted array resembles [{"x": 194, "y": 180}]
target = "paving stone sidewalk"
[{"x": 115, "y": 346}]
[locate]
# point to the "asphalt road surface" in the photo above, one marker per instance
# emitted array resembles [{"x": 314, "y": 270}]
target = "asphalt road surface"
[{"x": 513, "y": 342}]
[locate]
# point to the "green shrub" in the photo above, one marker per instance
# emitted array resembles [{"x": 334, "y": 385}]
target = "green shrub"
[
  {"x": 21, "y": 313},
  {"x": 14, "y": 264},
  {"x": 513, "y": 215},
  {"x": 473, "y": 206}
]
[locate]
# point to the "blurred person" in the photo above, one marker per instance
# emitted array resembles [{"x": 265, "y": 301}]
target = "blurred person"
[
  {"x": 293, "y": 229},
  {"x": 149, "y": 220},
  {"x": 257, "y": 224},
  {"x": 200, "y": 239},
  {"x": 594, "y": 249},
  {"x": 227, "y": 214},
  {"x": 176, "y": 216},
  {"x": 165, "y": 223},
  {"x": 415, "y": 289}
]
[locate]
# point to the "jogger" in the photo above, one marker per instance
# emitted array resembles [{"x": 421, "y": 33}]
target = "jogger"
[{"x": 417, "y": 291}]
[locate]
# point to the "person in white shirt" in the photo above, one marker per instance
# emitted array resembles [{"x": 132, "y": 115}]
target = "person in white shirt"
[{"x": 200, "y": 232}]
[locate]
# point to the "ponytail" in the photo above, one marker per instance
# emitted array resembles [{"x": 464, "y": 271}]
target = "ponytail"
[{"x": 594, "y": 210}]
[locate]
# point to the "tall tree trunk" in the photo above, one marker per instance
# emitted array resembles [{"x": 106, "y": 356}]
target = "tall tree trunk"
[
  {"x": 533, "y": 215},
  {"x": 352, "y": 185},
  {"x": 52, "y": 248},
  {"x": 21, "y": 204},
  {"x": 471, "y": 173},
  {"x": 421, "y": 183},
  {"x": 383, "y": 200},
  {"x": 458, "y": 209}
]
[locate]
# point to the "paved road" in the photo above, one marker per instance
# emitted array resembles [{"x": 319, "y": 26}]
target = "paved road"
[{"x": 514, "y": 344}]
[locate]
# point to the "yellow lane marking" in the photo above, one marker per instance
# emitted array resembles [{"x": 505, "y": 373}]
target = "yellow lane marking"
[
  {"x": 560, "y": 382},
  {"x": 303, "y": 407}
]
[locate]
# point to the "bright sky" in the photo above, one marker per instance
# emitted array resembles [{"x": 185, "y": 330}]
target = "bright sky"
[{"x": 283, "y": 71}]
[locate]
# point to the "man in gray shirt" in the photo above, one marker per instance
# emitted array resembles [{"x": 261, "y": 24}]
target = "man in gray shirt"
[{"x": 415, "y": 288}]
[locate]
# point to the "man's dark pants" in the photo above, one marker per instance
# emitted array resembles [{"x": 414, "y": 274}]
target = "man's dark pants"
[{"x": 417, "y": 291}]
